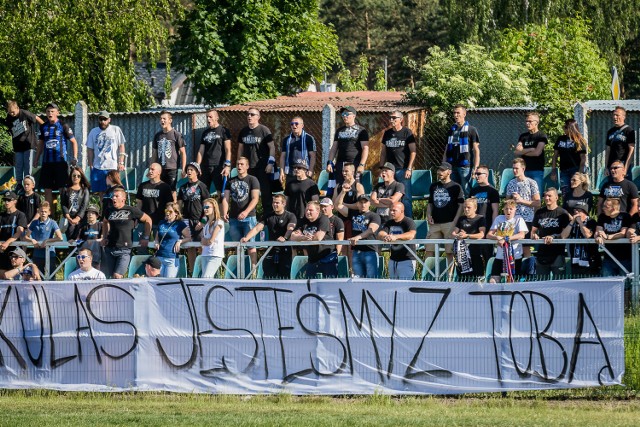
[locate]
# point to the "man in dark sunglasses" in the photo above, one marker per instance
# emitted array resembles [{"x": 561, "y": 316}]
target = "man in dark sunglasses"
[
  {"x": 350, "y": 145},
  {"x": 105, "y": 151},
  {"x": 298, "y": 145}
]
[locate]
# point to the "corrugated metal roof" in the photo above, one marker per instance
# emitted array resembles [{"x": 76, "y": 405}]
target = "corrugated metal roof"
[
  {"x": 496, "y": 109},
  {"x": 366, "y": 101},
  {"x": 609, "y": 105}
]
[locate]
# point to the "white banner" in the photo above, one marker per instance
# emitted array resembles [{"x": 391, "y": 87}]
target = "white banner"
[{"x": 338, "y": 337}]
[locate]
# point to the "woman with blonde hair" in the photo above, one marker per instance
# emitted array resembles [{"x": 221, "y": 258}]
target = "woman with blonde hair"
[
  {"x": 212, "y": 239},
  {"x": 172, "y": 233},
  {"x": 571, "y": 148},
  {"x": 578, "y": 193}
]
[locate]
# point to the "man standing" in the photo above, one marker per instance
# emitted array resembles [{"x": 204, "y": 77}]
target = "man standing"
[
  {"x": 214, "y": 154},
  {"x": 85, "y": 269},
  {"x": 54, "y": 136},
  {"x": 402, "y": 264},
  {"x": 350, "y": 145},
  {"x": 12, "y": 224},
  {"x": 168, "y": 144},
  {"x": 548, "y": 224},
  {"x": 118, "y": 226},
  {"x": 255, "y": 142},
  {"x": 301, "y": 189},
  {"x": 299, "y": 145},
  {"x": 365, "y": 224},
  {"x": 280, "y": 224},
  {"x": 445, "y": 206},
  {"x": 524, "y": 191},
  {"x": 462, "y": 141},
  {"x": 620, "y": 188},
  {"x": 621, "y": 142},
  {"x": 322, "y": 259},
  {"x": 191, "y": 197},
  {"x": 153, "y": 195},
  {"x": 105, "y": 151},
  {"x": 387, "y": 192},
  {"x": 239, "y": 204},
  {"x": 531, "y": 147},
  {"x": 399, "y": 149},
  {"x": 19, "y": 124}
]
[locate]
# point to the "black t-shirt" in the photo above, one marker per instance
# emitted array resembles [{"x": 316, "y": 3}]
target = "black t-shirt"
[
  {"x": 293, "y": 146},
  {"x": 384, "y": 192},
  {"x": 455, "y": 155},
  {"x": 299, "y": 193},
  {"x": 213, "y": 141},
  {"x": 277, "y": 224},
  {"x": 336, "y": 225},
  {"x": 23, "y": 135},
  {"x": 29, "y": 205},
  {"x": 618, "y": 140},
  {"x": 470, "y": 225},
  {"x": 446, "y": 198},
  {"x": 360, "y": 223},
  {"x": 167, "y": 146},
  {"x": 349, "y": 141},
  {"x": 568, "y": 152},
  {"x": 154, "y": 199},
  {"x": 486, "y": 195},
  {"x": 121, "y": 224},
  {"x": 317, "y": 252},
  {"x": 256, "y": 145},
  {"x": 9, "y": 222},
  {"x": 531, "y": 140},
  {"x": 88, "y": 235},
  {"x": 614, "y": 225},
  {"x": 192, "y": 194},
  {"x": 399, "y": 252},
  {"x": 625, "y": 190},
  {"x": 550, "y": 222},
  {"x": 397, "y": 144},
  {"x": 570, "y": 201},
  {"x": 240, "y": 194}
]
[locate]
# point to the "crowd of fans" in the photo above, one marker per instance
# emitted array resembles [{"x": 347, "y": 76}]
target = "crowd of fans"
[{"x": 462, "y": 206}]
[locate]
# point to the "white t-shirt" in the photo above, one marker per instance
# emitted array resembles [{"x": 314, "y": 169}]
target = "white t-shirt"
[
  {"x": 92, "y": 274},
  {"x": 105, "y": 145},
  {"x": 509, "y": 227},
  {"x": 216, "y": 248}
]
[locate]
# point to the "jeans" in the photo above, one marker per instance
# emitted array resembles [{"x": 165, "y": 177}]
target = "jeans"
[
  {"x": 407, "y": 198},
  {"x": 115, "y": 260},
  {"x": 462, "y": 175},
  {"x": 565, "y": 180},
  {"x": 209, "y": 266},
  {"x": 239, "y": 228},
  {"x": 538, "y": 177},
  {"x": 610, "y": 267},
  {"x": 169, "y": 267},
  {"x": 328, "y": 267},
  {"x": 402, "y": 270},
  {"x": 365, "y": 264},
  {"x": 23, "y": 164}
]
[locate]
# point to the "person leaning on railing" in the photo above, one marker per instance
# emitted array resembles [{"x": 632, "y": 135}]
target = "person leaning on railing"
[
  {"x": 585, "y": 258},
  {"x": 323, "y": 259},
  {"x": 402, "y": 264},
  {"x": 507, "y": 229},
  {"x": 612, "y": 225}
]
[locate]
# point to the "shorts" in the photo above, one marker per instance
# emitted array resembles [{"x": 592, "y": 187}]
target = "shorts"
[
  {"x": 239, "y": 228},
  {"x": 99, "y": 180},
  {"x": 440, "y": 231},
  {"x": 54, "y": 176},
  {"x": 115, "y": 260},
  {"x": 170, "y": 176}
]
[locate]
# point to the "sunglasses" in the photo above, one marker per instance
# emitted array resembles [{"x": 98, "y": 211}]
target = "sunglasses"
[
  {"x": 75, "y": 175},
  {"x": 207, "y": 207},
  {"x": 346, "y": 114},
  {"x": 15, "y": 256},
  {"x": 103, "y": 119},
  {"x": 251, "y": 114},
  {"x": 81, "y": 257},
  {"x": 480, "y": 173},
  {"x": 8, "y": 200},
  {"x": 615, "y": 167},
  {"x": 531, "y": 121},
  {"x": 393, "y": 117},
  {"x": 294, "y": 123}
]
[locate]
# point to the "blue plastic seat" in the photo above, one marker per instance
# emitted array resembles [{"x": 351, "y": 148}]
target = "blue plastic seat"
[
  {"x": 367, "y": 181},
  {"x": 487, "y": 275},
  {"x": 231, "y": 272},
  {"x": 421, "y": 181},
  {"x": 323, "y": 181},
  {"x": 145, "y": 178},
  {"x": 381, "y": 267},
  {"x": 431, "y": 265},
  {"x": 548, "y": 182},
  {"x": 298, "y": 267},
  {"x": 129, "y": 179},
  {"x": 136, "y": 265},
  {"x": 635, "y": 175},
  {"x": 343, "y": 267},
  {"x": 69, "y": 267},
  {"x": 422, "y": 229},
  {"x": 507, "y": 175}
]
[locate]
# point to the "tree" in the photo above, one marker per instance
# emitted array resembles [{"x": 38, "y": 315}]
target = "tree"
[
  {"x": 66, "y": 51},
  {"x": 240, "y": 50}
]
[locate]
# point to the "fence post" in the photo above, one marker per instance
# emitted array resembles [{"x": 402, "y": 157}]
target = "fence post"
[
  {"x": 580, "y": 116},
  {"x": 328, "y": 130},
  {"x": 81, "y": 131}
]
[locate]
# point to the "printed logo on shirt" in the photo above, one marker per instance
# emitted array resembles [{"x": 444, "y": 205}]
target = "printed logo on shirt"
[
  {"x": 151, "y": 193},
  {"x": 104, "y": 144},
  {"x": 164, "y": 150},
  {"x": 395, "y": 229},
  {"x": 310, "y": 231},
  {"x": 360, "y": 223},
  {"x": 121, "y": 215},
  {"x": 481, "y": 198},
  {"x": 19, "y": 127},
  {"x": 617, "y": 136},
  {"x": 191, "y": 192},
  {"x": 613, "y": 191},
  {"x": 614, "y": 226},
  {"x": 549, "y": 222},
  {"x": 51, "y": 144},
  {"x": 566, "y": 144},
  {"x": 441, "y": 197},
  {"x": 251, "y": 139},
  {"x": 348, "y": 133},
  {"x": 211, "y": 137},
  {"x": 394, "y": 143},
  {"x": 239, "y": 191}
]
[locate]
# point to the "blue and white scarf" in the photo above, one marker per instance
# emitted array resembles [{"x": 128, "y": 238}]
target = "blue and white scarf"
[
  {"x": 463, "y": 141},
  {"x": 305, "y": 155}
]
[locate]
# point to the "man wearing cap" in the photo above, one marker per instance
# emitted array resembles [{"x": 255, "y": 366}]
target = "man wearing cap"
[
  {"x": 298, "y": 145},
  {"x": 54, "y": 137},
  {"x": 105, "y": 151},
  {"x": 214, "y": 154},
  {"x": 12, "y": 224},
  {"x": 255, "y": 142},
  {"x": 20, "y": 125},
  {"x": 18, "y": 269},
  {"x": 446, "y": 203},
  {"x": 301, "y": 189},
  {"x": 585, "y": 258},
  {"x": 191, "y": 196},
  {"x": 168, "y": 144},
  {"x": 387, "y": 192},
  {"x": 548, "y": 223},
  {"x": 364, "y": 225},
  {"x": 399, "y": 149},
  {"x": 85, "y": 269},
  {"x": 336, "y": 224},
  {"x": 402, "y": 263},
  {"x": 463, "y": 149},
  {"x": 350, "y": 145},
  {"x": 152, "y": 267}
]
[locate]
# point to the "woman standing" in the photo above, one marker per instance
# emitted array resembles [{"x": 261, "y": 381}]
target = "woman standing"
[
  {"x": 172, "y": 233},
  {"x": 571, "y": 148},
  {"x": 74, "y": 199},
  {"x": 212, "y": 240}
]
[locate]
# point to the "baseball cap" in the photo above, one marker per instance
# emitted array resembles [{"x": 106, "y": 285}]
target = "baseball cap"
[
  {"x": 349, "y": 109},
  {"x": 93, "y": 208},
  {"x": 445, "y": 166},
  {"x": 196, "y": 166},
  {"x": 363, "y": 197},
  {"x": 301, "y": 163},
  {"x": 326, "y": 201},
  {"x": 10, "y": 195},
  {"x": 104, "y": 114},
  {"x": 19, "y": 252},
  {"x": 582, "y": 206},
  {"x": 389, "y": 166},
  {"x": 52, "y": 105},
  {"x": 153, "y": 262}
]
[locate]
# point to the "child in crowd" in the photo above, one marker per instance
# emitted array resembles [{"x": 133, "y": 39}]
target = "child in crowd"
[
  {"x": 40, "y": 232},
  {"x": 90, "y": 235},
  {"x": 29, "y": 201},
  {"x": 507, "y": 229},
  {"x": 469, "y": 226}
]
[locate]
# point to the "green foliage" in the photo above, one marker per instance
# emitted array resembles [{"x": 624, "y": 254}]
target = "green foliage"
[
  {"x": 240, "y": 50},
  {"x": 380, "y": 82},
  {"x": 347, "y": 83},
  {"x": 470, "y": 76},
  {"x": 65, "y": 51},
  {"x": 564, "y": 65}
]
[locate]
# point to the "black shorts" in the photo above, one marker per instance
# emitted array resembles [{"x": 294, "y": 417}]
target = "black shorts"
[
  {"x": 54, "y": 176},
  {"x": 170, "y": 176}
]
